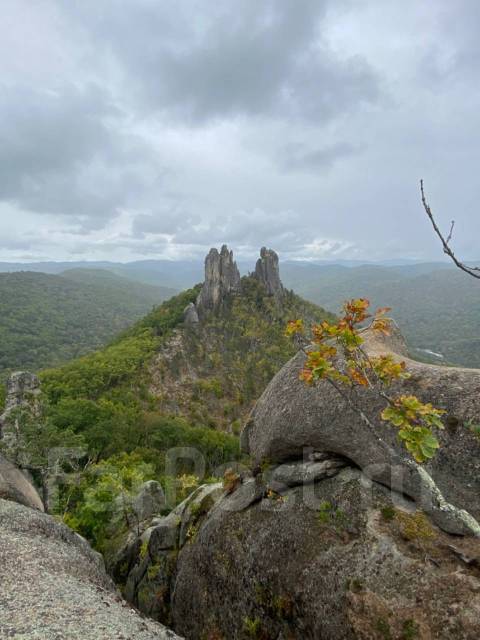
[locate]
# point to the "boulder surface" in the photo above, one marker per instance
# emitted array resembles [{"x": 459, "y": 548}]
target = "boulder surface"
[
  {"x": 291, "y": 417},
  {"x": 337, "y": 558},
  {"x": 16, "y": 487},
  {"x": 53, "y": 586},
  {"x": 333, "y": 560}
]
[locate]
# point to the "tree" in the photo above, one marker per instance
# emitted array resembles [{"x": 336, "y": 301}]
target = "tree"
[
  {"x": 339, "y": 358},
  {"x": 103, "y": 504},
  {"x": 447, "y": 249}
]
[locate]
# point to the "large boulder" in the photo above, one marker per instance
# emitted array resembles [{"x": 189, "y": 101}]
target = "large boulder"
[
  {"x": 150, "y": 577},
  {"x": 149, "y": 501},
  {"x": 338, "y": 558},
  {"x": 15, "y": 486},
  {"x": 52, "y": 585},
  {"x": 291, "y": 417}
]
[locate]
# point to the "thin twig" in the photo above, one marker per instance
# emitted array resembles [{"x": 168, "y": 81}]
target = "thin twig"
[{"x": 472, "y": 271}]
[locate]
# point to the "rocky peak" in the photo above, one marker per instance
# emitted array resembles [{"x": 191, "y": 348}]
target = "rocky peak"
[
  {"x": 268, "y": 272},
  {"x": 221, "y": 278},
  {"x": 23, "y": 389}
]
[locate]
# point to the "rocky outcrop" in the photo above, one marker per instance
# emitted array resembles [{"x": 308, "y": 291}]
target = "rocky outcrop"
[
  {"x": 23, "y": 390},
  {"x": 321, "y": 540},
  {"x": 290, "y": 416},
  {"x": 336, "y": 562},
  {"x": 268, "y": 273},
  {"x": 150, "y": 577},
  {"x": 329, "y": 555},
  {"x": 190, "y": 315},
  {"x": 221, "y": 278},
  {"x": 16, "y": 487},
  {"x": 150, "y": 501},
  {"x": 52, "y": 585}
]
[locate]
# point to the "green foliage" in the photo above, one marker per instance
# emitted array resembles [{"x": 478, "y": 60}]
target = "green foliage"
[
  {"x": 415, "y": 421},
  {"x": 101, "y": 506},
  {"x": 159, "y": 433},
  {"x": 388, "y": 513},
  {"x": 473, "y": 427},
  {"x": 102, "y": 395},
  {"x": 31, "y": 439},
  {"x": 409, "y": 630},
  {"x": 48, "y": 319},
  {"x": 331, "y": 516},
  {"x": 338, "y": 358},
  {"x": 117, "y": 400},
  {"x": 383, "y": 629},
  {"x": 435, "y": 305},
  {"x": 252, "y": 626}
]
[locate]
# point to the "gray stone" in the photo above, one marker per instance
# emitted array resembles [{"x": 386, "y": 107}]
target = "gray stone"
[
  {"x": 268, "y": 273},
  {"x": 150, "y": 501},
  {"x": 165, "y": 534},
  {"x": 150, "y": 580},
  {"x": 298, "y": 473},
  {"x": 190, "y": 315},
  {"x": 16, "y": 487},
  {"x": 53, "y": 586},
  {"x": 332, "y": 568},
  {"x": 291, "y": 416},
  {"x": 221, "y": 279},
  {"x": 196, "y": 506}
]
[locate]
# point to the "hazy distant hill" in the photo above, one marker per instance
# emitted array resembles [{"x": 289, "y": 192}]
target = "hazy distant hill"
[
  {"x": 436, "y": 306},
  {"x": 47, "y": 319},
  {"x": 165, "y": 273}
]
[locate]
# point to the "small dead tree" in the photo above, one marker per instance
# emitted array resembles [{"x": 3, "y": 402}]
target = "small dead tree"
[{"x": 447, "y": 249}]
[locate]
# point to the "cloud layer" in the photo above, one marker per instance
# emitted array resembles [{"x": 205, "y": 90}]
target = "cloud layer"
[{"x": 159, "y": 129}]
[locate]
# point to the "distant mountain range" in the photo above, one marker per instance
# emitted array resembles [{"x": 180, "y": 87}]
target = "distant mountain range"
[
  {"x": 166, "y": 273},
  {"x": 436, "y": 305},
  {"x": 181, "y": 274},
  {"x": 47, "y": 319}
]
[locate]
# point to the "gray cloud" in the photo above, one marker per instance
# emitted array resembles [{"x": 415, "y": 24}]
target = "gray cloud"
[
  {"x": 234, "y": 59},
  {"x": 61, "y": 154},
  {"x": 299, "y": 157},
  {"x": 163, "y": 128}
]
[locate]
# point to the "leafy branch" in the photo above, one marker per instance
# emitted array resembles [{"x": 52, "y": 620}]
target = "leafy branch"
[{"x": 339, "y": 358}]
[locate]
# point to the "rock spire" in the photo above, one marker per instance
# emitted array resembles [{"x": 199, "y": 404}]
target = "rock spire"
[
  {"x": 268, "y": 273},
  {"x": 221, "y": 278}
]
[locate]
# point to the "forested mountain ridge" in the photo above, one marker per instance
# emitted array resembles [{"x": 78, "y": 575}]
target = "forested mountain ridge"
[
  {"x": 207, "y": 370},
  {"x": 48, "y": 319},
  {"x": 436, "y": 306},
  {"x": 186, "y": 375}
]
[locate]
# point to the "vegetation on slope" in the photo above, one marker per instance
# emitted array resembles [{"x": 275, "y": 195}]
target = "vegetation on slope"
[
  {"x": 131, "y": 401},
  {"x": 111, "y": 394},
  {"x": 48, "y": 319}
]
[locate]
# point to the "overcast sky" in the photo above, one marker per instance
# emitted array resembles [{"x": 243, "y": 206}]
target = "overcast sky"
[{"x": 149, "y": 129}]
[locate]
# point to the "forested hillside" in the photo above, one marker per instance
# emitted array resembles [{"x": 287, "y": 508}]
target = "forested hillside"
[
  {"x": 48, "y": 319},
  {"x": 164, "y": 382},
  {"x": 436, "y": 306}
]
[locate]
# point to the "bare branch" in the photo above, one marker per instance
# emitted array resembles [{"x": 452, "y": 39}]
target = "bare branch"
[{"x": 472, "y": 271}]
